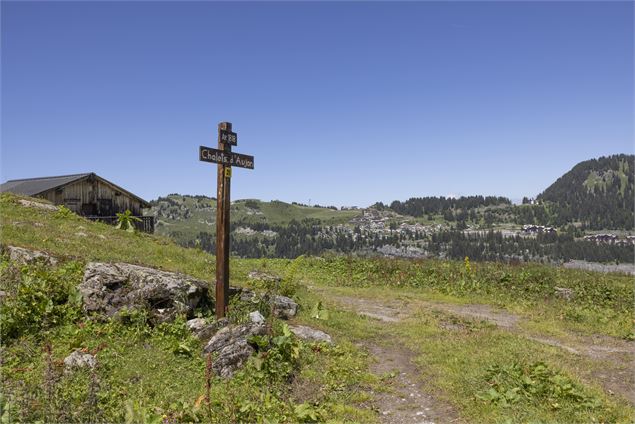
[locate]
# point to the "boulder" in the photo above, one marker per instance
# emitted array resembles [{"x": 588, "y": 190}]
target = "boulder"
[
  {"x": 564, "y": 293},
  {"x": 23, "y": 256},
  {"x": 231, "y": 347},
  {"x": 283, "y": 307},
  {"x": 37, "y": 205},
  {"x": 247, "y": 295},
  {"x": 310, "y": 334},
  {"x": 78, "y": 359},
  {"x": 108, "y": 288},
  {"x": 264, "y": 276},
  {"x": 204, "y": 330},
  {"x": 231, "y": 357},
  {"x": 256, "y": 317}
]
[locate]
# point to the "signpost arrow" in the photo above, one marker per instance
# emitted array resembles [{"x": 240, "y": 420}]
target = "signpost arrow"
[{"x": 225, "y": 159}]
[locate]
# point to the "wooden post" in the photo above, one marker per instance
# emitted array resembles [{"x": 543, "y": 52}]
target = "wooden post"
[
  {"x": 226, "y": 159},
  {"x": 222, "y": 228}
]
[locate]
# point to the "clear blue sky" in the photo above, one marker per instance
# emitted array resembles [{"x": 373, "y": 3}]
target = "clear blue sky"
[{"x": 340, "y": 103}]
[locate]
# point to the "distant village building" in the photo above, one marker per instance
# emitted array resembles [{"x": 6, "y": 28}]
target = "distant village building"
[
  {"x": 602, "y": 238},
  {"x": 87, "y": 194},
  {"x": 532, "y": 229}
]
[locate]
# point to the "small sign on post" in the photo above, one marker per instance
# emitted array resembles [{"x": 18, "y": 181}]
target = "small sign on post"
[
  {"x": 228, "y": 137},
  {"x": 225, "y": 159}
]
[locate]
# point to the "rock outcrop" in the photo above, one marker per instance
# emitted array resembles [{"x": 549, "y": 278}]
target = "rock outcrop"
[
  {"x": 564, "y": 293},
  {"x": 231, "y": 346},
  {"x": 283, "y": 307},
  {"x": 256, "y": 317},
  {"x": 37, "y": 205},
  {"x": 264, "y": 276},
  {"x": 204, "y": 330},
  {"x": 108, "y": 288},
  {"x": 310, "y": 334},
  {"x": 23, "y": 256},
  {"x": 77, "y": 360}
]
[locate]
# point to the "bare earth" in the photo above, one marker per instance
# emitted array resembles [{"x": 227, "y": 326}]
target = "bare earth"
[{"x": 408, "y": 403}]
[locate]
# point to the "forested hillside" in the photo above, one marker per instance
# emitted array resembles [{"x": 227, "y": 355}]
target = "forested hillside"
[
  {"x": 594, "y": 195},
  {"x": 599, "y": 193}
]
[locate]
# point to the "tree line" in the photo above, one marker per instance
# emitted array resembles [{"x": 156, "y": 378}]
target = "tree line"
[{"x": 309, "y": 237}]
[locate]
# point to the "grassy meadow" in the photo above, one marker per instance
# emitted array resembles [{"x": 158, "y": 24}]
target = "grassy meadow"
[{"x": 522, "y": 370}]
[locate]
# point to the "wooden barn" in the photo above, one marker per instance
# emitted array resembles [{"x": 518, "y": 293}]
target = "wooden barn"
[{"x": 85, "y": 194}]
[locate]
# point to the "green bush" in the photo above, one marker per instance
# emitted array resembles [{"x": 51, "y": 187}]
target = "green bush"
[
  {"x": 536, "y": 383},
  {"x": 39, "y": 298}
]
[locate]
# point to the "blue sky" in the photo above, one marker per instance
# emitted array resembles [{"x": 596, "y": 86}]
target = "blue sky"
[{"x": 340, "y": 103}]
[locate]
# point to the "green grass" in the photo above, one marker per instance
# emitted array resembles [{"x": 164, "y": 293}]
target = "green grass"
[
  {"x": 602, "y": 302},
  {"x": 459, "y": 364},
  {"x": 487, "y": 374}
]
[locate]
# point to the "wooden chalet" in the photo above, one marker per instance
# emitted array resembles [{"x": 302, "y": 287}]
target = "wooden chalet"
[{"x": 87, "y": 194}]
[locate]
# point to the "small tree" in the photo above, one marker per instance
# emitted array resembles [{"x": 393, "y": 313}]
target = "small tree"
[{"x": 125, "y": 221}]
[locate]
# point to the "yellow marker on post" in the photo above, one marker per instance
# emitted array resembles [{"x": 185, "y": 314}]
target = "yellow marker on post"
[{"x": 228, "y": 172}]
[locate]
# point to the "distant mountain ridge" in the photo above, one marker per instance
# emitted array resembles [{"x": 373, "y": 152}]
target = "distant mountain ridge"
[{"x": 599, "y": 193}]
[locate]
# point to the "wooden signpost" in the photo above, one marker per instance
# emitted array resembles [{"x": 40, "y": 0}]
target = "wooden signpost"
[{"x": 225, "y": 159}]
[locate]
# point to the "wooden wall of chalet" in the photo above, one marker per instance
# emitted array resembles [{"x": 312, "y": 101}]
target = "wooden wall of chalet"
[{"x": 93, "y": 197}]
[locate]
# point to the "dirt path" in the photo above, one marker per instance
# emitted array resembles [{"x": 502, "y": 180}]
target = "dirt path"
[
  {"x": 405, "y": 401},
  {"x": 617, "y": 356}
]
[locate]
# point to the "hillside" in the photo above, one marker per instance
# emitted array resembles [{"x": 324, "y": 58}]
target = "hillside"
[
  {"x": 483, "y": 228},
  {"x": 442, "y": 340},
  {"x": 183, "y": 217},
  {"x": 599, "y": 193}
]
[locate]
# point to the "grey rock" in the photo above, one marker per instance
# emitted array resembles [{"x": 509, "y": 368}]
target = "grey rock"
[
  {"x": 232, "y": 348},
  {"x": 231, "y": 357},
  {"x": 283, "y": 307},
  {"x": 77, "y": 359},
  {"x": 196, "y": 324},
  {"x": 204, "y": 330},
  {"x": 248, "y": 296},
  {"x": 256, "y": 317},
  {"x": 37, "y": 205},
  {"x": 564, "y": 293},
  {"x": 310, "y": 334},
  {"x": 24, "y": 256},
  {"x": 264, "y": 276},
  {"x": 109, "y": 288}
]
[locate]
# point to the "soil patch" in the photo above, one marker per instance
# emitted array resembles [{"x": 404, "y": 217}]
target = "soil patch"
[
  {"x": 388, "y": 311},
  {"x": 480, "y": 312},
  {"x": 405, "y": 401}
]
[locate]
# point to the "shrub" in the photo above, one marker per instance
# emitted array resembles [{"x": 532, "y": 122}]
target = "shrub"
[{"x": 42, "y": 298}]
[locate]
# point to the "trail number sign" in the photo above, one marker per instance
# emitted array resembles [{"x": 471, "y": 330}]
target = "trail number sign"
[{"x": 228, "y": 137}]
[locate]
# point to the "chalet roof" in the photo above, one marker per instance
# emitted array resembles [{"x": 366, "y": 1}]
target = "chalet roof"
[{"x": 35, "y": 186}]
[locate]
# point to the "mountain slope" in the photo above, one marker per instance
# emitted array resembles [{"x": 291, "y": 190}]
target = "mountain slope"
[
  {"x": 598, "y": 192},
  {"x": 183, "y": 217}
]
